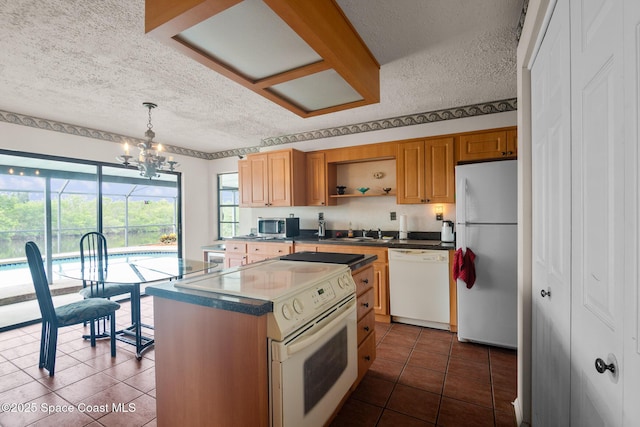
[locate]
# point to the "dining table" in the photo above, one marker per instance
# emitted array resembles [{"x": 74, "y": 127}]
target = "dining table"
[{"x": 139, "y": 272}]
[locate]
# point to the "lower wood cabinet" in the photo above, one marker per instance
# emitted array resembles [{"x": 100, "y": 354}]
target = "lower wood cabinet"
[
  {"x": 366, "y": 355},
  {"x": 364, "y": 278},
  {"x": 305, "y": 247},
  {"x": 235, "y": 254},
  {"x": 261, "y": 251},
  {"x": 380, "y": 275},
  {"x": 240, "y": 253}
]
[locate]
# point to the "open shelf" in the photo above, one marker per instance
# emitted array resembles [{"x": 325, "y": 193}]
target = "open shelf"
[{"x": 341, "y": 196}]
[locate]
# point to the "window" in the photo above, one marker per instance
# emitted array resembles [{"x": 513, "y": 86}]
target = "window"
[
  {"x": 228, "y": 205},
  {"x": 54, "y": 201}
]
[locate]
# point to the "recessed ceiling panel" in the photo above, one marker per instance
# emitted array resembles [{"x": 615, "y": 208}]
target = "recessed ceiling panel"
[
  {"x": 250, "y": 38},
  {"x": 317, "y": 91}
]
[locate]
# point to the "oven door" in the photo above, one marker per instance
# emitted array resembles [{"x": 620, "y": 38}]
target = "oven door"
[{"x": 313, "y": 370}]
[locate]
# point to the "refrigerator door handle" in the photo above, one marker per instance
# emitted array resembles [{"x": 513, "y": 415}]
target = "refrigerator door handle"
[{"x": 463, "y": 202}]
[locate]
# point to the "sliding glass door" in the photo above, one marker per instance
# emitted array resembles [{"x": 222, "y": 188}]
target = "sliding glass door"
[{"x": 54, "y": 201}]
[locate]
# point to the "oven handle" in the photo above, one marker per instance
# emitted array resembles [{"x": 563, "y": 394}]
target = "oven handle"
[{"x": 299, "y": 346}]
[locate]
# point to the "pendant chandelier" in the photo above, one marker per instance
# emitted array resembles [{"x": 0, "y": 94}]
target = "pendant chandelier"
[{"x": 150, "y": 160}]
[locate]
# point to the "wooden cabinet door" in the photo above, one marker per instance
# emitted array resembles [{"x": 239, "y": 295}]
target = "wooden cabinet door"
[
  {"x": 512, "y": 143},
  {"x": 439, "y": 174},
  {"x": 245, "y": 183},
  {"x": 316, "y": 180},
  {"x": 410, "y": 171},
  {"x": 482, "y": 146},
  {"x": 279, "y": 172},
  {"x": 259, "y": 180},
  {"x": 234, "y": 260},
  {"x": 235, "y": 254},
  {"x": 381, "y": 289}
]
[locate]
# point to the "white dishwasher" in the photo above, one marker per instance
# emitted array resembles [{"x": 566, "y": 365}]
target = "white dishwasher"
[{"x": 419, "y": 287}]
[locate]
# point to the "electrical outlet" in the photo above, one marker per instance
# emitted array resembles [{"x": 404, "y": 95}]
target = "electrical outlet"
[{"x": 393, "y": 216}]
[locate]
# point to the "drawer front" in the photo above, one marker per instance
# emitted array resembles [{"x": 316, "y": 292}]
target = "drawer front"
[
  {"x": 364, "y": 280},
  {"x": 366, "y": 326},
  {"x": 366, "y": 355},
  {"x": 365, "y": 303},
  {"x": 269, "y": 249},
  {"x": 236, "y": 248}
]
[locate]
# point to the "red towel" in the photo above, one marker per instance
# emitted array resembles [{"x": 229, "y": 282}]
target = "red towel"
[{"x": 464, "y": 267}]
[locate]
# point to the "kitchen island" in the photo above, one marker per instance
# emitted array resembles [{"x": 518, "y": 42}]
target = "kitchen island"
[{"x": 211, "y": 356}]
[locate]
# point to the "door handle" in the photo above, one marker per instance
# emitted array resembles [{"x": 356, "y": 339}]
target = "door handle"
[
  {"x": 545, "y": 293},
  {"x": 602, "y": 367}
]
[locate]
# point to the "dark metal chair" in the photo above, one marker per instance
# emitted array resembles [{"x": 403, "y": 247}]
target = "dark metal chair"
[
  {"x": 94, "y": 262},
  {"x": 70, "y": 314}
]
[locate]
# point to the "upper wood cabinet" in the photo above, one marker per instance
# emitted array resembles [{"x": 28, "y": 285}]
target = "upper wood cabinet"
[
  {"x": 425, "y": 171},
  {"x": 501, "y": 144},
  {"x": 274, "y": 178},
  {"x": 321, "y": 178}
]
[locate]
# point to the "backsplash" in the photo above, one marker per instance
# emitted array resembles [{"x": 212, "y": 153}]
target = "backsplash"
[{"x": 361, "y": 212}]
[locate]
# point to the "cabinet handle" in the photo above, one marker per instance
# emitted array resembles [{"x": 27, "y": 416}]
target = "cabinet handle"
[
  {"x": 366, "y": 304},
  {"x": 504, "y": 153},
  {"x": 365, "y": 281},
  {"x": 545, "y": 293},
  {"x": 510, "y": 153},
  {"x": 366, "y": 328},
  {"x": 367, "y": 358}
]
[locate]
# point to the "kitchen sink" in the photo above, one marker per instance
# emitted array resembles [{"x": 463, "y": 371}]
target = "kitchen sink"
[{"x": 358, "y": 239}]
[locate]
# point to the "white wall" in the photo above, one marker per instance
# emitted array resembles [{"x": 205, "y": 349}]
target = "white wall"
[
  {"x": 370, "y": 212},
  {"x": 195, "y": 186},
  {"x": 199, "y": 178}
]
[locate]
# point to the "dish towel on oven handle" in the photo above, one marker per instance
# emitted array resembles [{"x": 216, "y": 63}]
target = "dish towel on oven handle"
[{"x": 464, "y": 267}]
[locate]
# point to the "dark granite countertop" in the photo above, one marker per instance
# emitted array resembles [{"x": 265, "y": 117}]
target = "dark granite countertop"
[
  {"x": 238, "y": 304},
  {"x": 250, "y": 306},
  {"x": 393, "y": 243},
  {"x": 420, "y": 242}
]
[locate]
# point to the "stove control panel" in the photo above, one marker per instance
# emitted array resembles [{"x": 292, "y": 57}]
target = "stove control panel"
[{"x": 294, "y": 311}]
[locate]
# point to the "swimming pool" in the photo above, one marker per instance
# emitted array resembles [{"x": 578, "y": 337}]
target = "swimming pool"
[{"x": 16, "y": 272}]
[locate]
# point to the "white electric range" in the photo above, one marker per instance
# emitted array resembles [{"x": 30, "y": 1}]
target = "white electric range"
[
  {"x": 299, "y": 291},
  {"x": 312, "y": 336}
]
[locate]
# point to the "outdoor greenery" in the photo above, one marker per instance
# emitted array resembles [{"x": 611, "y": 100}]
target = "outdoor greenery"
[{"x": 22, "y": 218}]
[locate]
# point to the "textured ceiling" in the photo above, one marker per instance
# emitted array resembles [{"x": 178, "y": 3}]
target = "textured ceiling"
[{"x": 89, "y": 63}]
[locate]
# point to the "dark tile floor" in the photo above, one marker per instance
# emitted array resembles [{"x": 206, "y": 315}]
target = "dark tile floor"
[
  {"x": 87, "y": 379},
  {"x": 421, "y": 377},
  {"x": 426, "y": 377}
]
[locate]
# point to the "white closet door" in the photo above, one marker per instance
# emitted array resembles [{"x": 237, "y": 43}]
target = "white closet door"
[
  {"x": 598, "y": 208},
  {"x": 631, "y": 366},
  {"x": 551, "y": 168}
]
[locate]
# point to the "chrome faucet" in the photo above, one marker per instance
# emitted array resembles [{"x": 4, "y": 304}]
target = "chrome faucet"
[{"x": 379, "y": 234}]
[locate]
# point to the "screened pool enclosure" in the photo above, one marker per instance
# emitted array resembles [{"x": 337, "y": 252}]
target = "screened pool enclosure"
[{"x": 54, "y": 201}]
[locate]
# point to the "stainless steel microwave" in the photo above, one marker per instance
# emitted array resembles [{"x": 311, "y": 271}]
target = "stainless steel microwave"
[{"x": 278, "y": 228}]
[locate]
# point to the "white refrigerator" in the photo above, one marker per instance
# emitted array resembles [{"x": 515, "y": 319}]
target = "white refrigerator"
[{"x": 486, "y": 223}]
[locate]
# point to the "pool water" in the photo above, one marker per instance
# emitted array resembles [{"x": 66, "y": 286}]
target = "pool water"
[{"x": 18, "y": 273}]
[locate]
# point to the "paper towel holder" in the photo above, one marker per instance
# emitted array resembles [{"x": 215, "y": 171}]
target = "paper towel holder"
[{"x": 402, "y": 232}]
